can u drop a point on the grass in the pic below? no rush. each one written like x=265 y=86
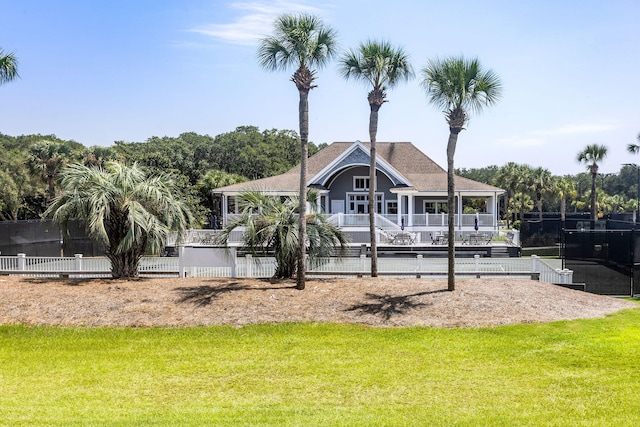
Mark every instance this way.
x=578 y=373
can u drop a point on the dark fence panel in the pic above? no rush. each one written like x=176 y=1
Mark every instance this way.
x=605 y=260
x=44 y=238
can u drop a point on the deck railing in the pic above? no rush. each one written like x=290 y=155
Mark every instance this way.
x=264 y=267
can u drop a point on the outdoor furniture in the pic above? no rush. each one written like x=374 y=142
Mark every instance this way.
x=440 y=238
x=477 y=239
x=404 y=238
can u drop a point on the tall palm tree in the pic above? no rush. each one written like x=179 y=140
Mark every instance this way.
x=382 y=66
x=270 y=224
x=634 y=148
x=8 y=67
x=123 y=208
x=591 y=156
x=458 y=86
x=302 y=41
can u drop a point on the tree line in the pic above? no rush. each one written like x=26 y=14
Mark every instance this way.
x=31 y=164
x=536 y=189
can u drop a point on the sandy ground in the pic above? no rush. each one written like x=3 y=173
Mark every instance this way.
x=380 y=302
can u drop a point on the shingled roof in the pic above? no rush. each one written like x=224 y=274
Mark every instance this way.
x=419 y=170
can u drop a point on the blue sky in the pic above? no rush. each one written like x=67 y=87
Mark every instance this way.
x=107 y=70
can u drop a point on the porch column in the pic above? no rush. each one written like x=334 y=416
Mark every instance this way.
x=410 y=210
x=225 y=205
x=400 y=209
x=492 y=207
x=459 y=216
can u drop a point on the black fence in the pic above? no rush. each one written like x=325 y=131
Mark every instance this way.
x=44 y=238
x=606 y=261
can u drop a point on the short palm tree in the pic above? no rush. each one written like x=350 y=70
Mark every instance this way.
x=301 y=41
x=382 y=66
x=8 y=67
x=270 y=225
x=565 y=189
x=458 y=86
x=591 y=156
x=49 y=157
x=122 y=207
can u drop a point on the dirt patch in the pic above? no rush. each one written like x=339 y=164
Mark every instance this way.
x=381 y=302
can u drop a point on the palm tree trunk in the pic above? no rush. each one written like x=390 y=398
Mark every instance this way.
x=373 y=131
x=451 y=248
x=303 y=118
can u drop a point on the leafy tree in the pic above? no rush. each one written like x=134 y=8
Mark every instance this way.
x=458 y=86
x=591 y=156
x=8 y=67
x=270 y=224
x=21 y=195
x=302 y=41
x=215 y=179
x=122 y=207
x=487 y=174
x=382 y=66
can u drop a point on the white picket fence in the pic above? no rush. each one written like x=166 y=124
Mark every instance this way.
x=264 y=267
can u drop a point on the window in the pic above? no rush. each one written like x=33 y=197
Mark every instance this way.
x=360 y=183
x=435 y=207
x=392 y=207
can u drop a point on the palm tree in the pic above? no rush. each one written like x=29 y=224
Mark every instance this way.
x=8 y=67
x=270 y=224
x=541 y=184
x=302 y=41
x=458 y=86
x=565 y=189
x=49 y=157
x=634 y=148
x=383 y=67
x=507 y=178
x=591 y=156
x=122 y=207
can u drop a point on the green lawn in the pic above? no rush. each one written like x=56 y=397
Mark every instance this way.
x=578 y=373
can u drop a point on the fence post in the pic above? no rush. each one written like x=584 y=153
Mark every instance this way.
x=535 y=267
x=77 y=262
x=363 y=259
x=22 y=262
x=249 y=265
x=476 y=261
x=568 y=274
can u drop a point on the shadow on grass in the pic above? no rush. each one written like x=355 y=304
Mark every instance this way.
x=203 y=295
x=387 y=306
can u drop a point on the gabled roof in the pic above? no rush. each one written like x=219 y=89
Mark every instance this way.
x=406 y=166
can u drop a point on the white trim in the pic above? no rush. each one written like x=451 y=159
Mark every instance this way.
x=379 y=161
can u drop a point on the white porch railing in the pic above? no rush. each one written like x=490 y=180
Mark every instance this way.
x=249 y=267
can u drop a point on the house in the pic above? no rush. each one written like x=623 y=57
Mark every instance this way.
x=411 y=193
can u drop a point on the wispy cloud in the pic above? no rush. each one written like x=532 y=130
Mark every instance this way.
x=256 y=22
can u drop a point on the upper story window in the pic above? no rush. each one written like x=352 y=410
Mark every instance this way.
x=360 y=183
